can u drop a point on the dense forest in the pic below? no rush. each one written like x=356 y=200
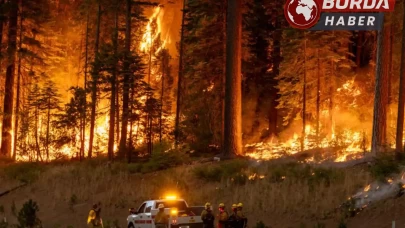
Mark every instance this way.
x=82 y=78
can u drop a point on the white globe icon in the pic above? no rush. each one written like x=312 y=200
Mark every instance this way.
x=302 y=12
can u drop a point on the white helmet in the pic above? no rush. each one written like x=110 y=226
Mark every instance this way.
x=161 y=206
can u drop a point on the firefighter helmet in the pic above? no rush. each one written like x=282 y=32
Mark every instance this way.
x=221 y=205
x=240 y=205
x=207 y=205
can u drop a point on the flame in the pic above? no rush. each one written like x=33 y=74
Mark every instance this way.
x=367 y=188
x=150 y=38
x=352 y=142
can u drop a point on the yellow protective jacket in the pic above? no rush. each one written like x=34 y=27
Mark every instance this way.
x=91 y=219
x=240 y=215
x=222 y=219
x=161 y=218
x=208 y=219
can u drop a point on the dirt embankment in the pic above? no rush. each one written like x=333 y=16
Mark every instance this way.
x=280 y=195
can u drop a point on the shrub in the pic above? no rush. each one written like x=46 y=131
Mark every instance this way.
x=161 y=161
x=260 y=224
x=27 y=217
x=228 y=170
x=342 y=224
x=134 y=168
x=208 y=173
x=73 y=201
x=24 y=172
x=383 y=167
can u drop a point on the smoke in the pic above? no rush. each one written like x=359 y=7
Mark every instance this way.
x=378 y=191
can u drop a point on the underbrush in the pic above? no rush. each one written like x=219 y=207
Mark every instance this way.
x=385 y=166
x=268 y=190
x=24 y=172
x=216 y=172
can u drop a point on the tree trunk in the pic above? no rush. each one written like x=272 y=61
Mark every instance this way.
x=331 y=92
x=6 y=139
x=125 y=93
x=304 y=95
x=48 y=123
x=94 y=85
x=380 y=108
x=359 y=48
x=223 y=79
x=318 y=97
x=131 y=123
x=83 y=127
x=2 y=19
x=148 y=115
x=117 y=114
x=111 y=130
x=17 y=105
x=36 y=135
x=401 y=96
x=179 y=79
x=233 y=81
x=276 y=59
x=161 y=96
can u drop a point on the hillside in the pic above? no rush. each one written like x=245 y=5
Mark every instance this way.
x=281 y=195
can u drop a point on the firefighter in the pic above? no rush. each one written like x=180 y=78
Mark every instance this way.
x=241 y=218
x=207 y=217
x=222 y=216
x=232 y=220
x=92 y=220
x=161 y=219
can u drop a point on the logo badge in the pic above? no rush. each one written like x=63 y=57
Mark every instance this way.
x=302 y=14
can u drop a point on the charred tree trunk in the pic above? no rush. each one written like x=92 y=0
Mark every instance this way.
x=318 y=96
x=17 y=100
x=83 y=118
x=331 y=92
x=111 y=130
x=224 y=13
x=6 y=139
x=2 y=19
x=359 y=48
x=125 y=93
x=380 y=108
x=117 y=110
x=161 y=97
x=148 y=115
x=131 y=123
x=179 y=79
x=48 y=123
x=94 y=84
x=304 y=95
x=233 y=81
x=276 y=57
x=36 y=135
x=401 y=96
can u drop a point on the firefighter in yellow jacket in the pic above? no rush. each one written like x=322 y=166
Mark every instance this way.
x=207 y=217
x=222 y=216
x=161 y=219
x=93 y=220
x=241 y=218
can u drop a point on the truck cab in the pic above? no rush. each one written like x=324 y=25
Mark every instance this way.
x=180 y=215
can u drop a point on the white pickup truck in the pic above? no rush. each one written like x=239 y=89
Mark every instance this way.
x=179 y=213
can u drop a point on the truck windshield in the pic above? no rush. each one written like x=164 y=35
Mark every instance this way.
x=179 y=204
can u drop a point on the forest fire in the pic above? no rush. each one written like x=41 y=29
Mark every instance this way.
x=347 y=144
x=151 y=47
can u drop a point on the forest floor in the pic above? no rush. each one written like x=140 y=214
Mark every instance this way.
x=282 y=194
